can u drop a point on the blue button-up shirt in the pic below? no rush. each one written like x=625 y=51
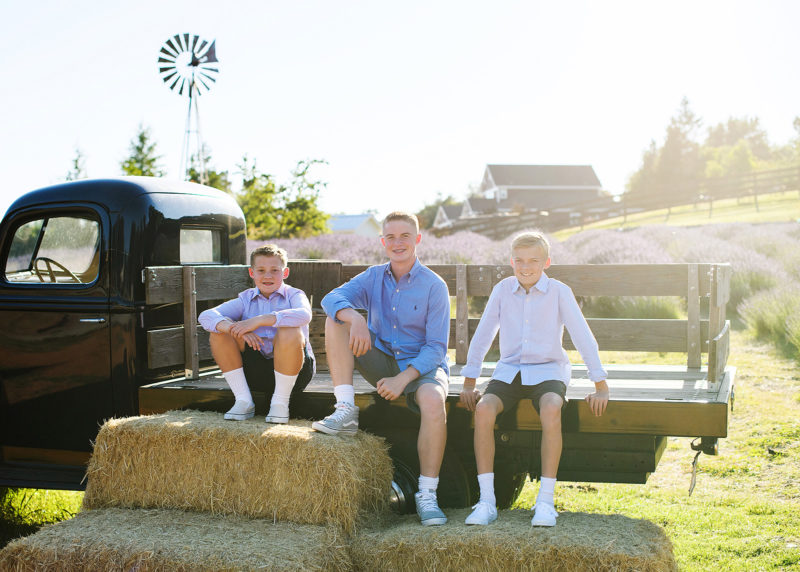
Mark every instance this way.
x=409 y=317
x=290 y=306
x=531 y=328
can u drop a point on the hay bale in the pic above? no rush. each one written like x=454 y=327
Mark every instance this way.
x=197 y=461
x=578 y=542
x=163 y=539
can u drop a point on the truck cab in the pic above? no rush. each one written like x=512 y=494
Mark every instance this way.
x=72 y=348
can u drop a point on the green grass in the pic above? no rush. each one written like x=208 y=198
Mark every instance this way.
x=776 y=207
x=744 y=513
x=24 y=511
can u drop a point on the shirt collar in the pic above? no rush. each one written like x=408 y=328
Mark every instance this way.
x=541 y=285
x=255 y=292
x=415 y=269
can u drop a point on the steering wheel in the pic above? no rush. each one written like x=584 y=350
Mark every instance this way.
x=49 y=262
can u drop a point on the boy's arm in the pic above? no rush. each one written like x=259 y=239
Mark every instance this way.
x=222 y=316
x=352 y=294
x=298 y=314
x=585 y=343
x=437 y=331
x=469 y=395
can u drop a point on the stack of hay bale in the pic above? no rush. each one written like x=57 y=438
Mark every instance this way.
x=186 y=490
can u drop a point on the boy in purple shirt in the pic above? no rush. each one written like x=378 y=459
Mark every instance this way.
x=401 y=348
x=530 y=310
x=262 y=336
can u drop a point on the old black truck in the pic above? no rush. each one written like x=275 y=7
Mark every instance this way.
x=103 y=279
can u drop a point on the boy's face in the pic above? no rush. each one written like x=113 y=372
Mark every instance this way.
x=529 y=262
x=268 y=273
x=400 y=240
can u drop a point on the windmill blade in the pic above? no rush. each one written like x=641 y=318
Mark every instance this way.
x=170 y=76
x=162 y=70
x=183 y=84
x=200 y=48
x=174 y=83
x=163 y=60
x=166 y=52
x=200 y=79
x=172 y=47
x=205 y=75
x=194 y=43
x=205 y=68
x=186 y=42
x=177 y=38
x=211 y=53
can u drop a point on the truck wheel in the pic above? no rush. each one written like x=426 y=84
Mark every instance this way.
x=454 y=489
x=507 y=487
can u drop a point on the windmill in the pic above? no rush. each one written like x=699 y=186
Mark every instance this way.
x=187 y=64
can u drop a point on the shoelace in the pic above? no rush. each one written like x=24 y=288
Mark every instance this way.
x=427 y=501
x=342 y=409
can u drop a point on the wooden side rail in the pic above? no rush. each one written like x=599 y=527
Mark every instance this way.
x=188 y=343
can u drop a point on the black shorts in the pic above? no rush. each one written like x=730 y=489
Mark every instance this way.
x=260 y=372
x=511 y=393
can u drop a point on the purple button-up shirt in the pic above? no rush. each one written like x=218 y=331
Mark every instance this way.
x=290 y=306
x=410 y=317
x=531 y=327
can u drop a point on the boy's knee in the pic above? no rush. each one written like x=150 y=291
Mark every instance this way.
x=430 y=399
x=550 y=409
x=485 y=412
x=289 y=337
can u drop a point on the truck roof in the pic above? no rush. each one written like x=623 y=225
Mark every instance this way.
x=114 y=193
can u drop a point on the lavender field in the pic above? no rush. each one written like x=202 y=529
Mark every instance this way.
x=765 y=296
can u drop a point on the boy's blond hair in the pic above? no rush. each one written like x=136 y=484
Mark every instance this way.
x=533 y=238
x=269 y=250
x=404 y=216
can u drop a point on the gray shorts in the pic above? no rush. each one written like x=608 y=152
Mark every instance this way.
x=375 y=365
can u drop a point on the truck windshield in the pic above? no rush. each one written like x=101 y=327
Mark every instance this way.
x=62 y=249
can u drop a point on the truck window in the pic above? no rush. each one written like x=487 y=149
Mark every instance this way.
x=55 y=250
x=201 y=246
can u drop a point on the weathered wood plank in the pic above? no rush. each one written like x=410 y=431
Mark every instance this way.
x=462 y=314
x=164 y=284
x=191 y=354
x=693 y=346
x=719 y=350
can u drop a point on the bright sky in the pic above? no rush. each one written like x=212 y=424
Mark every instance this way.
x=404 y=100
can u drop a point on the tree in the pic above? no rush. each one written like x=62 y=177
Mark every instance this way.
x=142 y=159
x=78 y=170
x=217 y=179
x=745 y=130
x=281 y=211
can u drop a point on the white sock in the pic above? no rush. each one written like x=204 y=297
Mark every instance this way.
x=428 y=483
x=238 y=384
x=345 y=394
x=283 y=388
x=546 y=487
x=486 y=484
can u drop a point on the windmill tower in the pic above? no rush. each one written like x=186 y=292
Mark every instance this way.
x=187 y=64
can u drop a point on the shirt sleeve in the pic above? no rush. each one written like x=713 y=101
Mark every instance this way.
x=297 y=315
x=484 y=335
x=581 y=334
x=437 y=330
x=352 y=294
x=232 y=310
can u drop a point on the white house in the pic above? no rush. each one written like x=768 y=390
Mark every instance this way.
x=362 y=224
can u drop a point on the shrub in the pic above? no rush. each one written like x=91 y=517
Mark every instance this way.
x=632 y=307
x=772 y=315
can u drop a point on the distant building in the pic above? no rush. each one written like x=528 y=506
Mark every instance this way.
x=528 y=188
x=446 y=215
x=361 y=224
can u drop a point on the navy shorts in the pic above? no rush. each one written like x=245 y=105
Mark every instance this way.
x=511 y=393
x=260 y=372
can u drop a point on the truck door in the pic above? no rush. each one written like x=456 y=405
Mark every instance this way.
x=55 y=385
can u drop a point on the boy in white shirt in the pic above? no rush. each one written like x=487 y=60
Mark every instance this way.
x=530 y=310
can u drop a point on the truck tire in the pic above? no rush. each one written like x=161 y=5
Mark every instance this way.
x=507 y=487
x=454 y=491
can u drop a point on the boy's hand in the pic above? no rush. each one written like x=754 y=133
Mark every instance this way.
x=238 y=329
x=599 y=399
x=360 y=341
x=469 y=395
x=390 y=388
x=252 y=340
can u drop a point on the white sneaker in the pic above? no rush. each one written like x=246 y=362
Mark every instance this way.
x=544 y=515
x=343 y=421
x=278 y=413
x=483 y=513
x=241 y=410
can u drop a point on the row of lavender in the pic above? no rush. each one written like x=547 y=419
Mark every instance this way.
x=765 y=260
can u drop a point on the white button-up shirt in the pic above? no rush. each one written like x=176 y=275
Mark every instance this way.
x=531 y=327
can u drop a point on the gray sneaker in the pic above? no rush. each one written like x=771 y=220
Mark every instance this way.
x=241 y=411
x=343 y=421
x=428 y=509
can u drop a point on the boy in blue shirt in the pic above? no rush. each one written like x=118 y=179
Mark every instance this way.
x=530 y=310
x=262 y=336
x=401 y=348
